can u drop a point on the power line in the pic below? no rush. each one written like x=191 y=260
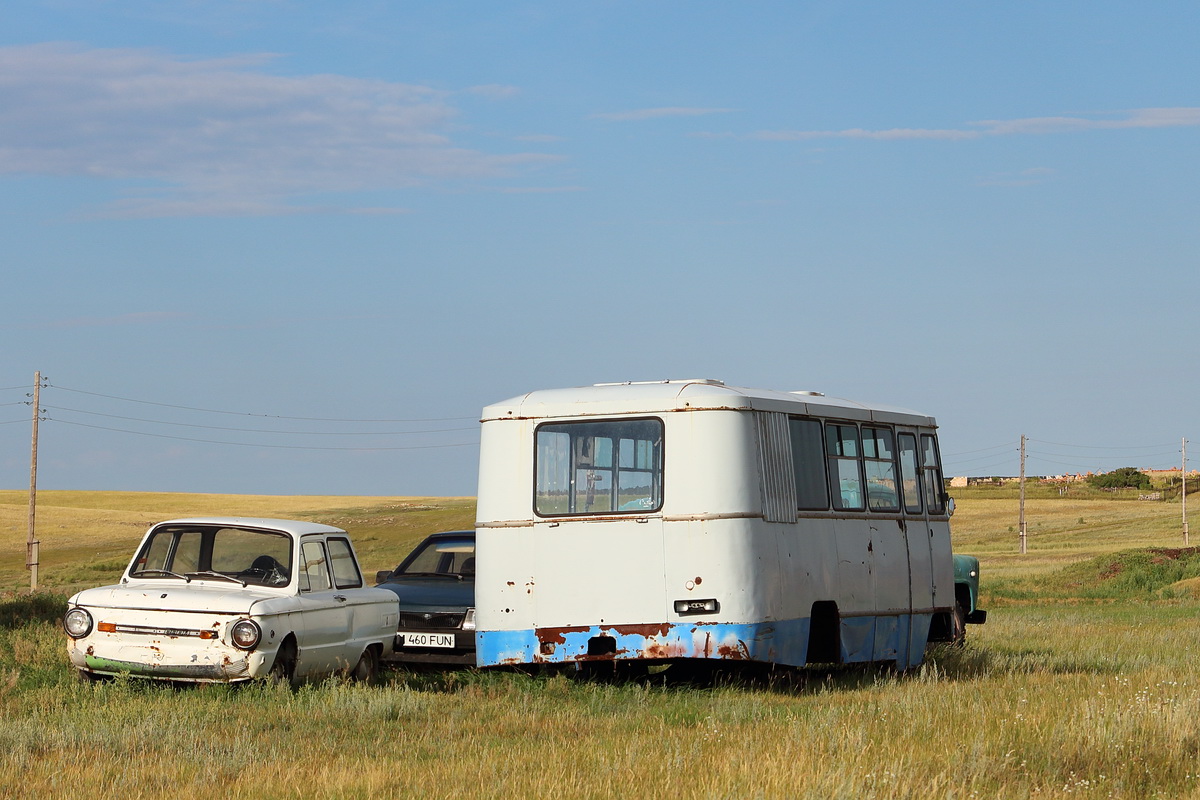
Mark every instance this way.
x=1013 y=445
x=251 y=414
x=1170 y=454
x=250 y=444
x=992 y=457
x=258 y=430
x=1103 y=447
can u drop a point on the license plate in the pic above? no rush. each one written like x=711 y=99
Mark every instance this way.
x=427 y=640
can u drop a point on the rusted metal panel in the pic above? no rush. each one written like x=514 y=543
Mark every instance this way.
x=778 y=642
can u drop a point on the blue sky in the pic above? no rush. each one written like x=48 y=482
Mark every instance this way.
x=261 y=246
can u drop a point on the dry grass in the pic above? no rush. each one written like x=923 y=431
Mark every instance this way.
x=1049 y=699
x=1061 y=531
x=1067 y=702
x=88 y=537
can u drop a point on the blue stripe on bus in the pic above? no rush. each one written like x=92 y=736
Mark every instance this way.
x=882 y=638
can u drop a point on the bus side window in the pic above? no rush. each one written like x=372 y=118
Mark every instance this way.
x=879 y=458
x=845 y=471
x=931 y=467
x=808 y=464
x=909 y=479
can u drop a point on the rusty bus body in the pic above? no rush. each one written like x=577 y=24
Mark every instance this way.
x=652 y=522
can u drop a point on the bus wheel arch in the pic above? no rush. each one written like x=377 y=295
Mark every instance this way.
x=824 y=633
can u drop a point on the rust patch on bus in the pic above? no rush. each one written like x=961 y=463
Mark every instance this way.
x=648 y=631
x=739 y=653
x=556 y=635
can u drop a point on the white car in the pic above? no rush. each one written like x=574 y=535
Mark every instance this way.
x=224 y=599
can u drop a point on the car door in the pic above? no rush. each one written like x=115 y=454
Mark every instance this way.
x=363 y=616
x=323 y=611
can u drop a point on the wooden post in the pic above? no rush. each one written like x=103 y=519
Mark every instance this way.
x=1183 y=496
x=31 y=548
x=1021 y=519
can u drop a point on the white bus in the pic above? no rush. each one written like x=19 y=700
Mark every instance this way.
x=653 y=522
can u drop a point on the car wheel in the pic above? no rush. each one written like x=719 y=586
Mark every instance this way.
x=284 y=668
x=367 y=668
x=958 y=626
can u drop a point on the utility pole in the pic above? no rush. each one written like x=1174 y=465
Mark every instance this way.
x=31 y=547
x=1183 y=496
x=1021 y=521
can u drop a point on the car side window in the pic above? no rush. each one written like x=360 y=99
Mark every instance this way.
x=345 y=570
x=314 y=567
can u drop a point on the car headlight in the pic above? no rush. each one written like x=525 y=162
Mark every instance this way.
x=77 y=623
x=245 y=634
x=469 y=620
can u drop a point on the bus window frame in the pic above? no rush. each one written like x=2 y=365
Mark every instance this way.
x=895 y=507
x=822 y=463
x=837 y=493
x=656 y=472
x=932 y=477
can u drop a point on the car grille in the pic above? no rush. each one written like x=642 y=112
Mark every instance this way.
x=421 y=619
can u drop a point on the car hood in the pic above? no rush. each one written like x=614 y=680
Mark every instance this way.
x=427 y=593
x=199 y=595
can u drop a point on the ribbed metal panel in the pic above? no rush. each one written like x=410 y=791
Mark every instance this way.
x=775 y=457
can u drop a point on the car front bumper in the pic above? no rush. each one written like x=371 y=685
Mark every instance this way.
x=462 y=654
x=218 y=664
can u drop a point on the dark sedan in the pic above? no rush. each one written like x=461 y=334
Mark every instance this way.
x=436 y=587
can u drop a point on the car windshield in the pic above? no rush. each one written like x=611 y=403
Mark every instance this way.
x=245 y=555
x=452 y=557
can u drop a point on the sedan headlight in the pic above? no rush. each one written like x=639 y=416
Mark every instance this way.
x=77 y=623
x=245 y=634
x=469 y=620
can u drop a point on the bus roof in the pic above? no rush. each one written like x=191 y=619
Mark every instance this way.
x=652 y=397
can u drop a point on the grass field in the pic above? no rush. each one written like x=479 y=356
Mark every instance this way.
x=1083 y=683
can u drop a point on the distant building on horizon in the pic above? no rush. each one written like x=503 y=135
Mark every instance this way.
x=1060 y=480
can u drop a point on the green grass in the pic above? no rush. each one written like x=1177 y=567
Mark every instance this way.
x=1083 y=683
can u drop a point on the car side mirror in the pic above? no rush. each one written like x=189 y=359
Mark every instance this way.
x=382 y=575
x=950 y=506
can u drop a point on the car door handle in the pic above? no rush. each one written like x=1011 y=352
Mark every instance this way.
x=341 y=598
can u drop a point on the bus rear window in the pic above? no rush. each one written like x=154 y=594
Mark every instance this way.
x=608 y=467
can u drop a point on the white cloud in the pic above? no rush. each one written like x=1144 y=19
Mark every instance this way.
x=859 y=133
x=222 y=136
x=1137 y=118
x=658 y=113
